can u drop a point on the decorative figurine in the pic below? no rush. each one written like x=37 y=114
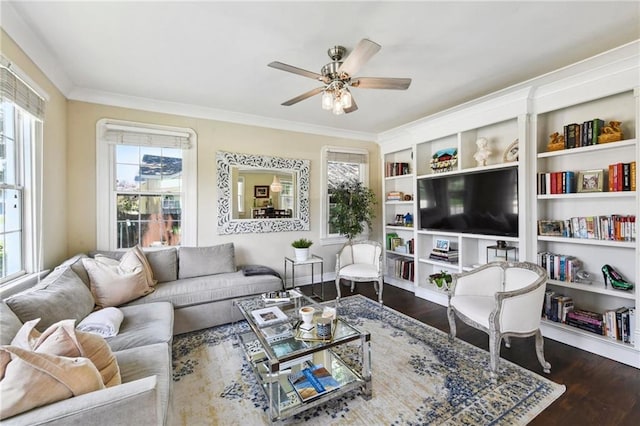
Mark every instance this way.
x=611 y=133
x=483 y=151
x=556 y=142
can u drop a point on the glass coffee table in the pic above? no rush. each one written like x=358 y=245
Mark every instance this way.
x=296 y=369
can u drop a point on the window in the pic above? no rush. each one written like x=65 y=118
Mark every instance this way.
x=339 y=165
x=146 y=185
x=21 y=114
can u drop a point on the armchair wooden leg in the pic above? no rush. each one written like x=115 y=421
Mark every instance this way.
x=452 y=324
x=338 y=295
x=494 y=350
x=546 y=367
x=507 y=341
x=380 y=283
x=353 y=285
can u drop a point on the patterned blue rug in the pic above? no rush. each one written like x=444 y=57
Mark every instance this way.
x=419 y=378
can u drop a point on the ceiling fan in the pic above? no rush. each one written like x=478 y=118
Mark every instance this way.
x=337 y=76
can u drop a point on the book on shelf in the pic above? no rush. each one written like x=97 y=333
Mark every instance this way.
x=396 y=169
x=621 y=177
x=313 y=381
x=404 y=269
x=390 y=236
x=395 y=196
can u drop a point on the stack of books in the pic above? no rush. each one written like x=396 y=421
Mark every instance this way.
x=395 y=196
x=450 y=256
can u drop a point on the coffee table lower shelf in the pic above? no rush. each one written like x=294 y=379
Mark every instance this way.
x=283 y=399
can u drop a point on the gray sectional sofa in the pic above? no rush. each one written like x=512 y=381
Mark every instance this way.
x=195 y=289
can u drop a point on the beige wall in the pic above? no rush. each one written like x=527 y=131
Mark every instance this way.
x=268 y=248
x=55 y=209
x=69 y=189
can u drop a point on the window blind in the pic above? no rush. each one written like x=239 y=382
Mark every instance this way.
x=13 y=89
x=347 y=157
x=146 y=136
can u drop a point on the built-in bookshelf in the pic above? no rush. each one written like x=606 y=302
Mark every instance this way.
x=594 y=217
x=586 y=217
x=398 y=213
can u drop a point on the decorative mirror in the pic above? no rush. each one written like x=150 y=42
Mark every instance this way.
x=257 y=193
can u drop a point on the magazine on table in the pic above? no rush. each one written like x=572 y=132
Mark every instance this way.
x=313 y=381
x=277 y=332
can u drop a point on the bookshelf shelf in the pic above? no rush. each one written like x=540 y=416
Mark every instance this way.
x=399 y=203
x=604 y=339
x=595 y=287
x=589 y=242
x=585 y=195
x=589 y=149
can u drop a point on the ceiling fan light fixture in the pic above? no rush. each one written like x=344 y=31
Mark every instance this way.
x=345 y=98
x=338 y=108
x=327 y=100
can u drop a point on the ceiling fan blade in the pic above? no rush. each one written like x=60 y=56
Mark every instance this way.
x=381 y=83
x=363 y=51
x=353 y=106
x=304 y=96
x=290 y=68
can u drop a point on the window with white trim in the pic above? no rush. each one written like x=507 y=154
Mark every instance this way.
x=339 y=165
x=21 y=115
x=146 y=185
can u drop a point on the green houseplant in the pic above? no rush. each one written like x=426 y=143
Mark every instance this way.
x=351 y=208
x=441 y=279
x=301 y=247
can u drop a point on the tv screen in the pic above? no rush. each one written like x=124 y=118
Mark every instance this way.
x=483 y=202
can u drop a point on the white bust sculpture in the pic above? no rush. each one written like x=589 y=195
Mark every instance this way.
x=483 y=152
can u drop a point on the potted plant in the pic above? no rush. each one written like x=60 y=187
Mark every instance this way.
x=301 y=247
x=441 y=279
x=351 y=208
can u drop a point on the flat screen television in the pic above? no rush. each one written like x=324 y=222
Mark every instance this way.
x=482 y=202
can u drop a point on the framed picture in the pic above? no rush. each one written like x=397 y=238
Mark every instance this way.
x=268 y=316
x=590 y=180
x=261 y=191
x=551 y=228
x=511 y=153
x=442 y=245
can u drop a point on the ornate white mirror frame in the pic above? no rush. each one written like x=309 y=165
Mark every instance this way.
x=228 y=225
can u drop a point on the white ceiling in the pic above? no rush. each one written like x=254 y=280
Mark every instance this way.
x=209 y=59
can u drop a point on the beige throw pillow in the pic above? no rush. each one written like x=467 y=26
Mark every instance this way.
x=63 y=339
x=116 y=282
x=32 y=379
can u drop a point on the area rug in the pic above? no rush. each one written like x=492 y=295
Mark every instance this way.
x=419 y=378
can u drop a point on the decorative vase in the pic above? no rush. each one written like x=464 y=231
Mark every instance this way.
x=302 y=254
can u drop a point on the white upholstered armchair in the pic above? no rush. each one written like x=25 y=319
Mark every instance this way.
x=360 y=261
x=503 y=299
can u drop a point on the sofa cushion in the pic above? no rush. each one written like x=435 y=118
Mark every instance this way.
x=60 y=295
x=147 y=361
x=194 y=291
x=164 y=264
x=63 y=339
x=116 y=282
x=9 y=324
x=199 y=261
x=32 y=379
x=144 y=324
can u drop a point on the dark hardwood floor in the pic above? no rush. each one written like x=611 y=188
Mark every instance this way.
x=599 y=391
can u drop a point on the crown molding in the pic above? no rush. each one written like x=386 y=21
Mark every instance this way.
x=13 y=24
x=195 y=111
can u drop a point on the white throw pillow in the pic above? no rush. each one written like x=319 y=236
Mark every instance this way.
x=116 y=282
